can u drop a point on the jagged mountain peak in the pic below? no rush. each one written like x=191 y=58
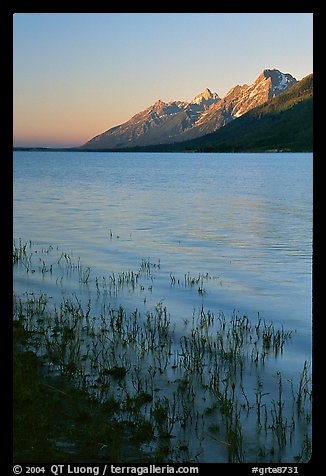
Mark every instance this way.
x=206 y=95
x=269 y=72
x=173 y=121
x=279 y=80
x=159 y=103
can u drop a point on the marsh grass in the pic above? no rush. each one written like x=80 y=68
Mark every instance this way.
x=172 y=390
x=55 y=421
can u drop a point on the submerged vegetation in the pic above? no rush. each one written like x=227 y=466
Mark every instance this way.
x=107 y=381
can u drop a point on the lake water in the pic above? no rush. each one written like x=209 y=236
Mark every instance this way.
x=240 y=222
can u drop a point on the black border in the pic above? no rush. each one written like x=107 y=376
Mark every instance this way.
x=6 y=30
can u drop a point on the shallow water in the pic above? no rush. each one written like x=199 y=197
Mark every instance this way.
x=243 y=222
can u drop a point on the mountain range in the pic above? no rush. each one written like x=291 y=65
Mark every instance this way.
x=283 y=123
x=166 y=124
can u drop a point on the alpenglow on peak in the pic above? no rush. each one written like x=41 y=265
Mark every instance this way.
x=206 y=95
x=279 y=81
x=176 y=121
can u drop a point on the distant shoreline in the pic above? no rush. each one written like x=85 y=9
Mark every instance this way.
x=133 y=150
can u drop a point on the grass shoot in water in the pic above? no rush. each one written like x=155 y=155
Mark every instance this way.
x=174 y=386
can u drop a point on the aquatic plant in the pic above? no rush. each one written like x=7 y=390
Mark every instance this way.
x=193 y=385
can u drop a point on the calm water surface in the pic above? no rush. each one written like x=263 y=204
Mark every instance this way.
x=243 y=220
x=246 y=218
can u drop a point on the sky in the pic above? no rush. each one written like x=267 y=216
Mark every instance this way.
x=76 y=75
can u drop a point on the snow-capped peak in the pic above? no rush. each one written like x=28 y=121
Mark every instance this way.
x=206 y=95
x=279 y=81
